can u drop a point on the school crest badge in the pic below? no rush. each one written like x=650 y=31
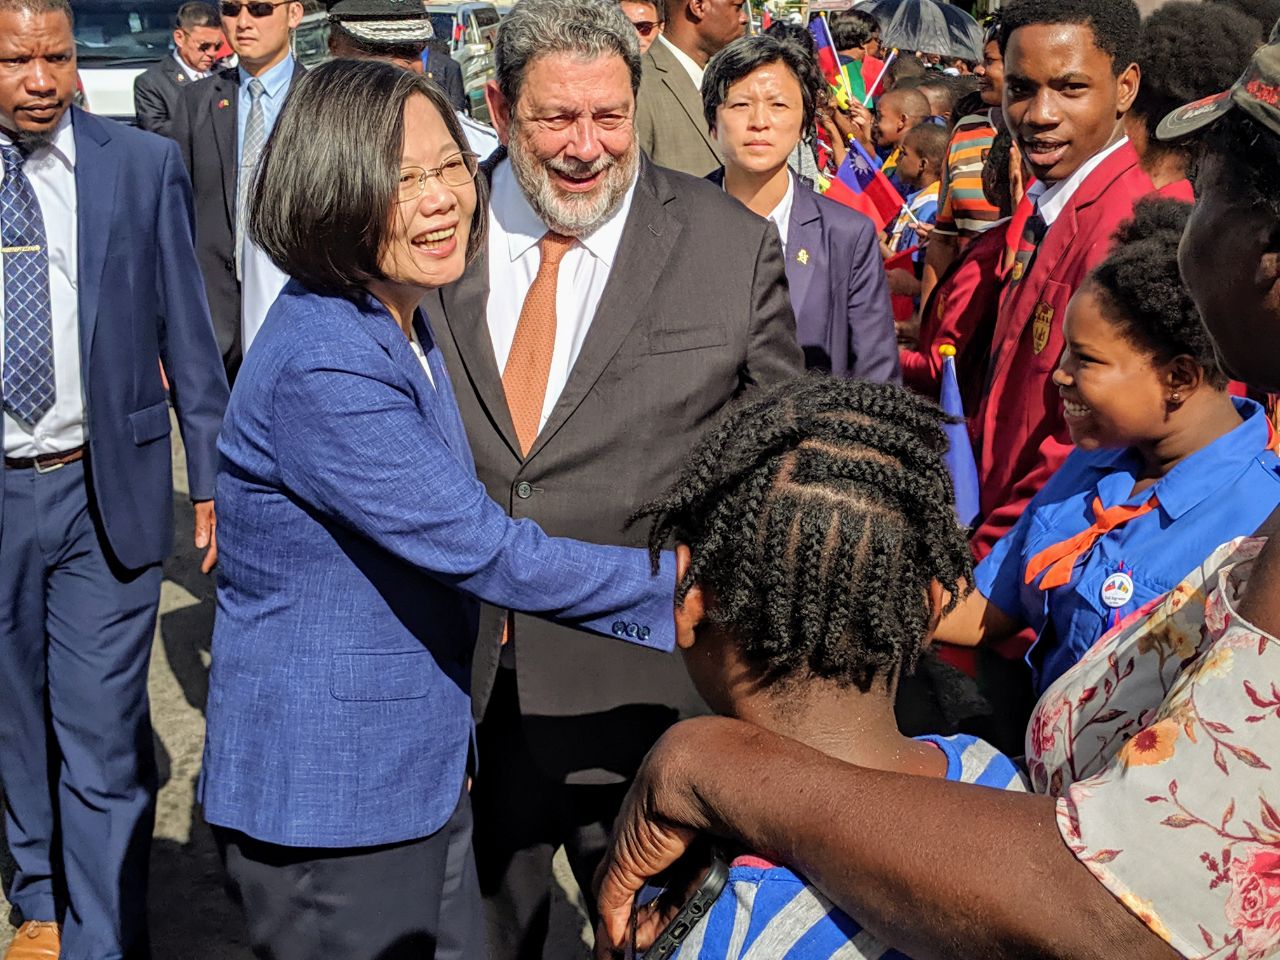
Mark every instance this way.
x=1041 y=321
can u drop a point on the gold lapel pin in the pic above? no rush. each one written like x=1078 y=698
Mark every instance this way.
x=802 y=257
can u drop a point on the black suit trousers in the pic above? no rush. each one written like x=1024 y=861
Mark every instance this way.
x=522 y=816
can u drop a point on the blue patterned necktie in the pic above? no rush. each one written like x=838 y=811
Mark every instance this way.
x=255 y=138
x=28 y=316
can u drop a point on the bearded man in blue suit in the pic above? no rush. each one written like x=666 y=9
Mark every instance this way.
x=100 y=287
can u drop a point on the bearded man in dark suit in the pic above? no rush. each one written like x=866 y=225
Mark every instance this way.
x=618 y=307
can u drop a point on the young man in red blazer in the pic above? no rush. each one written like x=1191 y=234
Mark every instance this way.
x=1070 y=77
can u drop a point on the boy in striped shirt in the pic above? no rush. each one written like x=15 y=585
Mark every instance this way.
x=816 y=545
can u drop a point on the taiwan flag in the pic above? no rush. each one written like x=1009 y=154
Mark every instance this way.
x=860 y=184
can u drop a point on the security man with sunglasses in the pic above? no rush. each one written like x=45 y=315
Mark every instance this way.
x=157 y=92
x=236 y=109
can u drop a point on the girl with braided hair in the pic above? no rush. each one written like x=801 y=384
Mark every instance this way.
x=816 y=546
x=1167 y=464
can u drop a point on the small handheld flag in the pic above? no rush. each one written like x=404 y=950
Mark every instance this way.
x=959 y=458
x=874 y=89
x=861 y=176
x=904 y=307
x=829 y=62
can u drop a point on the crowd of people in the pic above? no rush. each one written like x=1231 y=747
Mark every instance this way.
x=581 y=481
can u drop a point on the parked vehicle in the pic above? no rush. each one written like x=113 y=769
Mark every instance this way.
x=470 y=29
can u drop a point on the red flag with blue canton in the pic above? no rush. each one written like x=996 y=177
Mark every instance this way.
x=860 y=173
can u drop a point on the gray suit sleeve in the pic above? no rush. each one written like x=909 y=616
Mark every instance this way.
x=773 y=353
x=150 y=107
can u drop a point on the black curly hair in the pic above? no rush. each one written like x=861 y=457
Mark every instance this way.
x=1264 y=13
x=1116 y=24
x=1223 y=39
x=818 y=513
x=1139 y=281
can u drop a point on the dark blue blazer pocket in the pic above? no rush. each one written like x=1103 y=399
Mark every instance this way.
x=381 y=676
x=150 y=423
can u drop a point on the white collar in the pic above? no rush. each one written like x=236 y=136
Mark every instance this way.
x=690 y=65
x=191 y=72
x=62 y=147
x=781 y=214
x=1051 y=199
x=524 y=229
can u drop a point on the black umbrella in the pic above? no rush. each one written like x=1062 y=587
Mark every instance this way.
x=927 y=26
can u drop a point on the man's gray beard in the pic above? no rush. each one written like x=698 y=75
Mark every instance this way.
x=570 y=215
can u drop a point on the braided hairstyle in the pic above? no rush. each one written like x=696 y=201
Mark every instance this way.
x=818 y=513
x=1151 y=306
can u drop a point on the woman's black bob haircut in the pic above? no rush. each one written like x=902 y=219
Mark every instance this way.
x=327 y=183
x=745 y=56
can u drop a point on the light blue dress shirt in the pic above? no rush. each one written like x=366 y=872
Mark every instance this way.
x=276 y=81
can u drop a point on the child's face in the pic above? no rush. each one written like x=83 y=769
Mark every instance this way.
x=912 y=168
x=890 y=123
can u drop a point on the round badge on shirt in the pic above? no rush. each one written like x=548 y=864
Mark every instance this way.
x=1117 y=590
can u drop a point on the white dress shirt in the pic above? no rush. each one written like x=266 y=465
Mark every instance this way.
x=781 y=214
x=192 y=74
x=1051 y=199
x=514 y=258
x=690 y=65
x=52 y=173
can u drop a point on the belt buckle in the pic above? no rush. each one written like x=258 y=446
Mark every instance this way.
x=41 y=468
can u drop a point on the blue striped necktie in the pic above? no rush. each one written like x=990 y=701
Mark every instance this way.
x=28 y=379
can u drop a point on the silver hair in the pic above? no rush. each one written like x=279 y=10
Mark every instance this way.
x=587 y=28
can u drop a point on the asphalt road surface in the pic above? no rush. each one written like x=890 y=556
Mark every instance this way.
x=191 y=916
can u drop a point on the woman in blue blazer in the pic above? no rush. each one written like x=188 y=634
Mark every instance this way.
x=758 y=95
x=356 y=543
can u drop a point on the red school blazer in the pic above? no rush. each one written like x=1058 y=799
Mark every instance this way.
x=1022 y=434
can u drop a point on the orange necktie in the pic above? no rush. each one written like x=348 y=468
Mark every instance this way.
x=524 y=380
x=1061 y=558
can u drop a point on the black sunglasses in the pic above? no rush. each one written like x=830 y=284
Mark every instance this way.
x=644 y=27
x=256 y=8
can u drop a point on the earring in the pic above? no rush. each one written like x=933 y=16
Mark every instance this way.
x=1176 y=397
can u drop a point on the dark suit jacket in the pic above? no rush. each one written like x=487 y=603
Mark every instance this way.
x=140 y=299
x=670 y=125
x=157 y=96
x=839 y=292
x=209 y=113
x=694 y=312
x=446 y=73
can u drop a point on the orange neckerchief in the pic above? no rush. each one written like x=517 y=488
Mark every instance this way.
x=1061 y=558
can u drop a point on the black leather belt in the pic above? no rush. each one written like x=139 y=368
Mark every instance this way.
x=45 y=462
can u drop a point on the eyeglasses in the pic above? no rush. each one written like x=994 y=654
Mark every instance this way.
x=457 y=171
x=207 y=46
x=256 y=8
x=645 y=27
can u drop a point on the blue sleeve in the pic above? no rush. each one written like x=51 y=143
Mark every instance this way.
x=188 y=347
x=353 y=444
x=999 y=576
x=873 y=336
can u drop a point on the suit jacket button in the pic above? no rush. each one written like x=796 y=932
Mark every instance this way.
x=633 y=630
x=644 y=633
x=619 y=628
x=524 y=490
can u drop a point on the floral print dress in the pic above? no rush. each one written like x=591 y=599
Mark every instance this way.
x=1163 y=746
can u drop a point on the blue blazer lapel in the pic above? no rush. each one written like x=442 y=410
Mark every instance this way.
x=806 y=251
x=97 y=171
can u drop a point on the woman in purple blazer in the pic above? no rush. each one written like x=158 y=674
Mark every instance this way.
x=356 y=544
x=758 y=94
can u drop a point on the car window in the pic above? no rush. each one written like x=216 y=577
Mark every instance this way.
x=486 y=17
x=108 y=32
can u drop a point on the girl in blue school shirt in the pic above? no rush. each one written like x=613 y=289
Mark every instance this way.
x=1167 y=465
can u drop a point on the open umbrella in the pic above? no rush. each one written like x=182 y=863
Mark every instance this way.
x=927 y=26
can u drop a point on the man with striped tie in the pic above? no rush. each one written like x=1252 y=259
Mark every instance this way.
x=99 y=286
x=237 y=108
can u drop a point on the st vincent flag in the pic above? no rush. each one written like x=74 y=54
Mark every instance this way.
x=860 y=172
x=828 y=59
x=903 y=306
x=861 y=75
x=959 y=458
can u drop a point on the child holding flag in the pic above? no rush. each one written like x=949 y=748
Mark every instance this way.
x=923 y=151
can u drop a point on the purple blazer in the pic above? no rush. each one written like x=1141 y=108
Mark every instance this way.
x=839 y=292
